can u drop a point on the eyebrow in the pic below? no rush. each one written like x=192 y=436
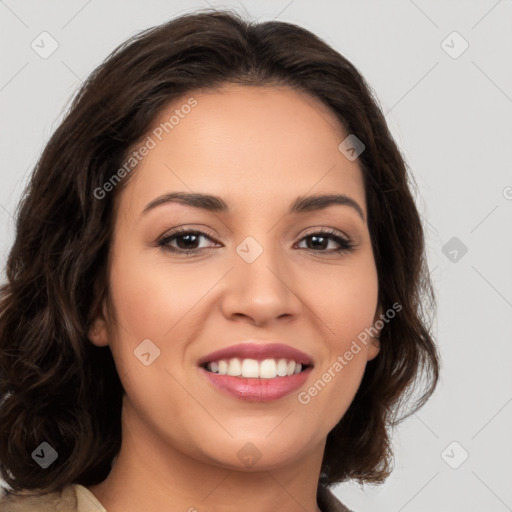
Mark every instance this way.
x=216 y=204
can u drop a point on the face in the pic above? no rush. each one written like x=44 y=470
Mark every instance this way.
x=189 y=278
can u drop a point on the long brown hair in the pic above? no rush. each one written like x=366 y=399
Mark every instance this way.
x=55 y=386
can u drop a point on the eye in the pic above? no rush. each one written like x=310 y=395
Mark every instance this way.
x=186 y=241
x=183 y=241
x=320 y=240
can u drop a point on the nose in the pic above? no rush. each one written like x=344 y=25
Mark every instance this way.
x=261 y=291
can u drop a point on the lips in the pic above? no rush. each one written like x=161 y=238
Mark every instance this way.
x=271 y=384
x=257 y=390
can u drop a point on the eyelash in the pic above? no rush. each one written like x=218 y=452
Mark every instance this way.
x=346 y=245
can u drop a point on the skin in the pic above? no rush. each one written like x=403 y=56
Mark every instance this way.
x=259 y=148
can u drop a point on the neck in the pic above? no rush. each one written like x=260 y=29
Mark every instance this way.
x=151 y=475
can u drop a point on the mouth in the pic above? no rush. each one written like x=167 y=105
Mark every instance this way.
x=257 y=372
x=248 y=368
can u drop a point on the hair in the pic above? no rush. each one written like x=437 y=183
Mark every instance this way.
x=55 y=385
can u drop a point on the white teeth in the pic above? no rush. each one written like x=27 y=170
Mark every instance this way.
x=234 y=367
x=251 y=368
x=223 y=367
x=282 y=368
x=268 y=369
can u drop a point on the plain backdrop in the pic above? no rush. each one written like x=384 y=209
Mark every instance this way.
x=443 y=74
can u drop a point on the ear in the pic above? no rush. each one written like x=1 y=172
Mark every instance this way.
x=374 y=344
x=98 y=330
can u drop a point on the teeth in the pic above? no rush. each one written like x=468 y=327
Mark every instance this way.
x=223 y=367
x=234 y=367
x=251 y=368
x=268 y=369
x=282 y=367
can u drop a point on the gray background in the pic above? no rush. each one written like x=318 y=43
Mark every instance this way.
x=452 y=119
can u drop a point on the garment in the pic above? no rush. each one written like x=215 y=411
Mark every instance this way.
x=72 y=498
x=77 y=498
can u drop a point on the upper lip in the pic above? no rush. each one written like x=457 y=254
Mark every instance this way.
x=258 y=351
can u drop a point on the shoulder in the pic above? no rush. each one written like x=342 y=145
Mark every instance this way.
x=76 y=498
x=328 y=502
x=72 y=498
x=30 y=501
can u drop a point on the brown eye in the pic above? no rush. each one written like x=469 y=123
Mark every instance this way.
x=319 y=241
x=186 y=241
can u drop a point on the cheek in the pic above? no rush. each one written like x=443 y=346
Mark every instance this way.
x=355 y=306
x=147 y=307
x=346 y=300
x=151 y=299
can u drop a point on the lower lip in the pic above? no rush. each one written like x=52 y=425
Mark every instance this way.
x=257 y=390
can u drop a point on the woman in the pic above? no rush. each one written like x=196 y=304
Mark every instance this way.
x=215 y=294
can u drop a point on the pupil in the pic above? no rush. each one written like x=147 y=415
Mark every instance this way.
x=318 y=238
x=181 y=238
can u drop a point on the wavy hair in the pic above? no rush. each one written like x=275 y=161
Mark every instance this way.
x=55 y=385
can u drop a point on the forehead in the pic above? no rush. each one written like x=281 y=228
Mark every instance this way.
x=258 y=145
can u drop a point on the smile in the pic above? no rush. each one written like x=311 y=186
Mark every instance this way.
x=258 y=372
x=252 y=368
